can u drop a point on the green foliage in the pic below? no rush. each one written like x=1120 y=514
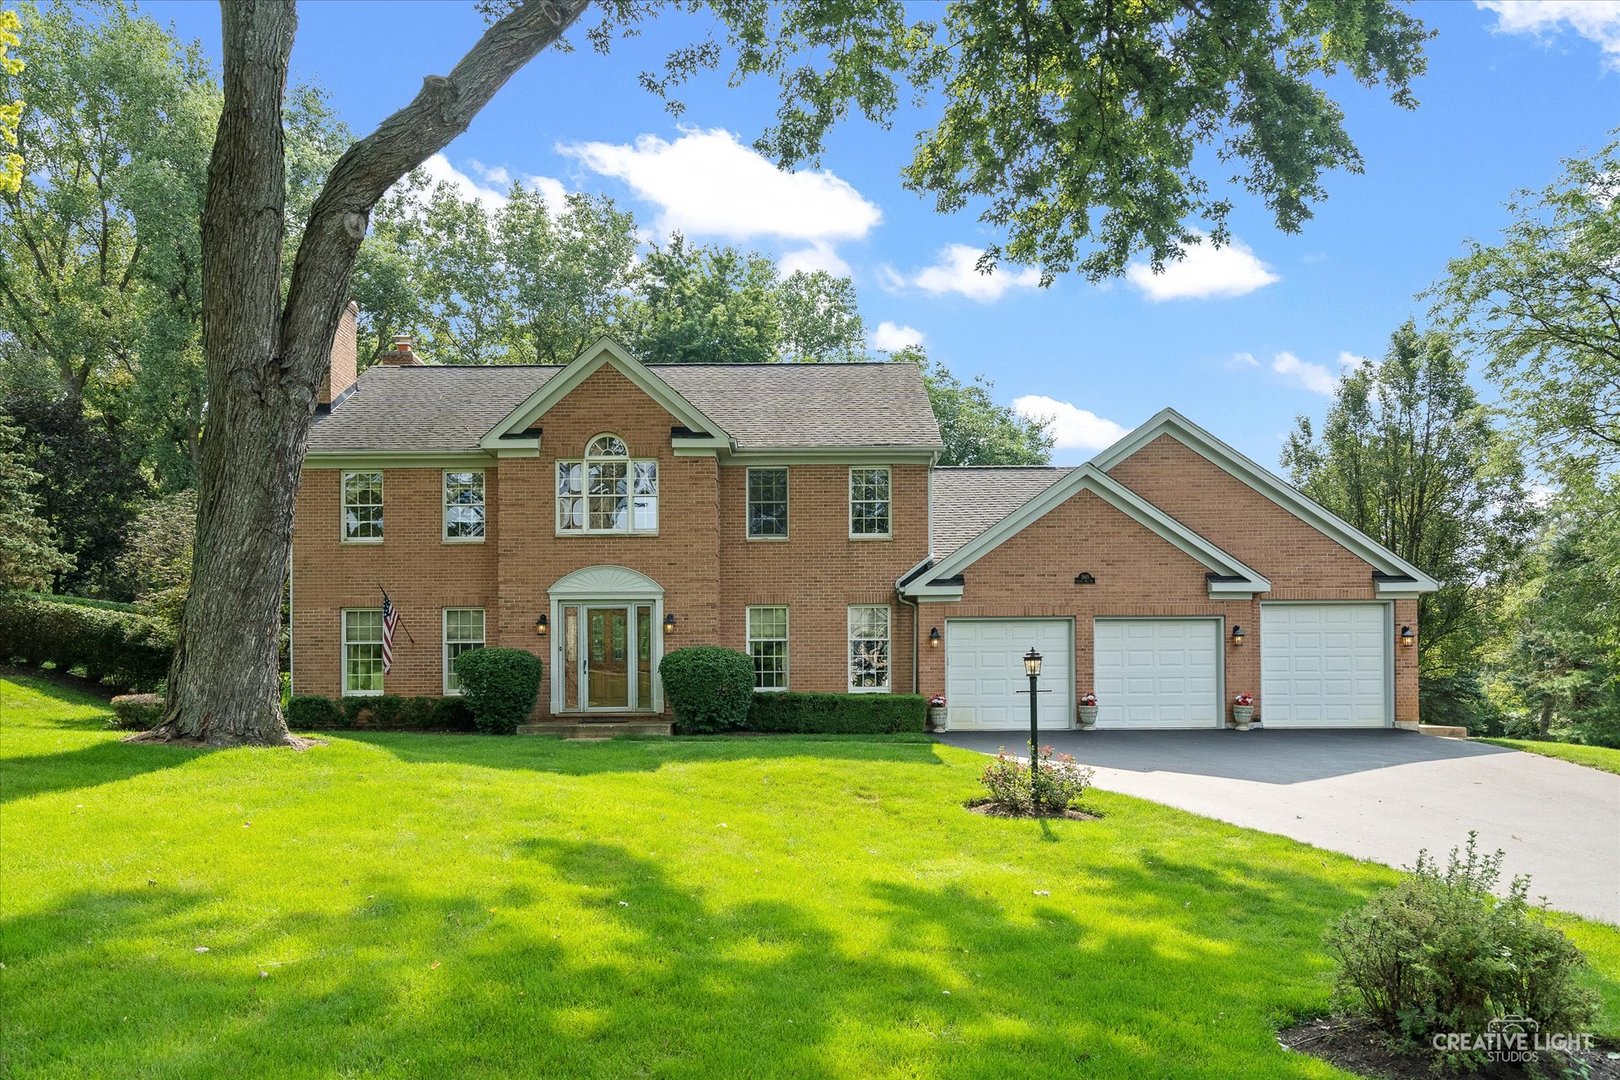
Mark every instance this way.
x=1459 y=699
x=976 y=430
x=1056 y=784
x=121 y=648
x=29 y=558
x=156 y=561
x=500 y=687
x=1439 y=953
x=137 y=712
x=705 y=305
x=310 y=712
x=709 y=688
x=385 y=712
x=11 y=163
x=795 y=713
x=86 y=601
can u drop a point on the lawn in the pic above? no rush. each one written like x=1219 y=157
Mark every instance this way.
x=1596 y=757
x=418 y=905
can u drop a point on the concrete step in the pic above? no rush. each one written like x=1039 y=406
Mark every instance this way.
x=594 y=729
x=1443 y=731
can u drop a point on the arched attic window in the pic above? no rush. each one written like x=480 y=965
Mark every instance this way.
x=607 y=490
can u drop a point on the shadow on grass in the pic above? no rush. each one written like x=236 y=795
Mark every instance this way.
x=88 y=766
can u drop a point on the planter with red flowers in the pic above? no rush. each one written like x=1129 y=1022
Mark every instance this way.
x=1243 y=711
x=938 y=717
x=1088 y=711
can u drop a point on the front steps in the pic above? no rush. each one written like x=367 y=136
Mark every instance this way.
x=598 y=729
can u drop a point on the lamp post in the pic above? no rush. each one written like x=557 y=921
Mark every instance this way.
x=1032 y=668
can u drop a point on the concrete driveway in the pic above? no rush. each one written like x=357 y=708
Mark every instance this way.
x=1379 y=795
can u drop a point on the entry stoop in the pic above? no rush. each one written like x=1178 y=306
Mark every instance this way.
x=598 y=729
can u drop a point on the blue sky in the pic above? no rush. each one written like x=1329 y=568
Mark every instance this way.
x=1241 y=340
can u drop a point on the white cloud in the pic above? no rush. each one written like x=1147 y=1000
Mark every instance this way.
x=813 y=258
x=1072 y=427
x=891 y=338
x=957 y=272
x=1242 y=360
x=1203 y=271
x=491 y=193
x=1313 y=377
x=1597 y=21
x=1349 y=361
x=706 y=183
x=497 y=175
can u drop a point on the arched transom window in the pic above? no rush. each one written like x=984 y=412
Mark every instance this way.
x=607 y=490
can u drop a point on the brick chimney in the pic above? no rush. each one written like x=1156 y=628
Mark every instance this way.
x=401 y=355
x=340 y=367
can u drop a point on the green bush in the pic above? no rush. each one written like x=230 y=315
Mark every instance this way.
x=137 y=712
x=1460 y=700
x=709 y=688
x=387 y=712
x=121 y=648
x=310 y=712
x=500 y=687
x=837 y=714
x=1439 y=953
x=84 y=601
x=1055 y=786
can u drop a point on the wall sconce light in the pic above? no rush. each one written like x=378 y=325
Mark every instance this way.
x=669 y=623
x=1408 y=639
x=542 y=624
x=933 y=638
x=1237 y=635
x=1085 y=578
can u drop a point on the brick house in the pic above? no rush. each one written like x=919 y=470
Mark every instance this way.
x=602 y=512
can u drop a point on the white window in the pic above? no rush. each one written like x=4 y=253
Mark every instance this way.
x=463 y=632
x=767 y=503
x=768 y=646
x=464 y=506
x=869 y=502
x=362 y=652
x=607 y=491
x=362 y=507
x=869 y=648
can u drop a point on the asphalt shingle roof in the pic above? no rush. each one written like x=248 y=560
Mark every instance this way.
x=762 y=406
x=969 y=499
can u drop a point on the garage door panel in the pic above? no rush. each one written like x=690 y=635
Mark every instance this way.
x=985 y=686
x=1157 y=672
x=1324 y=665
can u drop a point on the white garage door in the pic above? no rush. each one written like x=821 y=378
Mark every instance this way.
x=984 y=672
x=1158 y=673
x=1324 y=665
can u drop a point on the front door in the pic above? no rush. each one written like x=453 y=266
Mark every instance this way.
x=608 y=659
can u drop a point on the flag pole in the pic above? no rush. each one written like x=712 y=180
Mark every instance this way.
x=402 y=625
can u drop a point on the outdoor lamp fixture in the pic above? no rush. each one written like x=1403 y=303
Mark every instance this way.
x=669 y=623
x=1408 y=639
x=933 y=638
x=542 y=623
x=1237 y=635
x=1032 y=664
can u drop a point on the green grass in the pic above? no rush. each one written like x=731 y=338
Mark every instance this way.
x=1596 y=757
x=410 y=905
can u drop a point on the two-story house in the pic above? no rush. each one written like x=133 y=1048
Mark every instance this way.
x=603 y=512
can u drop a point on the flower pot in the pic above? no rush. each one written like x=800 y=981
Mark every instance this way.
x=1243 y=716
x=938 y=717
x=1088 y=717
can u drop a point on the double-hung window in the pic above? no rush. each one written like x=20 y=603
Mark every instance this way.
x=362 y=507
x=362 y=651
x=768 y=646
x=607 y=491
x=464 y=506
x=869 y=503
x=767 y=504
x=869 y=648
x=463 y=632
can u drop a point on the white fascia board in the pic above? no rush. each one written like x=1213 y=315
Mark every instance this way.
x=606 y=351
x=1263 y=480
x=833 y=455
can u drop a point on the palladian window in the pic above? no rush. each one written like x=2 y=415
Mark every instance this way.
x=607 y=491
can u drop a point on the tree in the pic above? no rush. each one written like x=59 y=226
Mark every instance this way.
x=1409 y=456
x=705 y=305
x=975 y=429
x=11 y=162
x=157 y=560
x=820 y=319
x=1054 y=116
x=1543 y=307
x=28 y=554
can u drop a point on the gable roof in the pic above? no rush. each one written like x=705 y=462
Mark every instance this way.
x=1393 y=575
x=1227 y=575
x=442 y=408
x=968 y=499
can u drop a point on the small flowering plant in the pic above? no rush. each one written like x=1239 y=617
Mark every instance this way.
x=937 y=701
x=1089 y=700
x=1243 y=700
x=1053 y=786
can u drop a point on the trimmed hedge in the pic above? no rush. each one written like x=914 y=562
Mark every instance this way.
x=837 y=714
x=708 y=688
x=385 y=712
x=500 y=686
x=137 y=712
x=122 y=648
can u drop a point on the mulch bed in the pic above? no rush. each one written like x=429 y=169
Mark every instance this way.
x=1358 y=1046
x=994 y=809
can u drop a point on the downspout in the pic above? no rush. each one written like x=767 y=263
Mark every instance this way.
x=912 y=604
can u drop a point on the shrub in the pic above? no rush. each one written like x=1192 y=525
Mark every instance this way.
x=500 y=687
x=837 y=714
x=137 y=712
x=1439 y=953
x=708 y=687
x=388 y=712
x=1056 y=786
x=309 y=712
x=122 y=648
x=1460 y=700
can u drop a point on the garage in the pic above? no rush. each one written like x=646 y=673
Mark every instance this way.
x=1158 y=673
x=1324 y=665
x=984 y=673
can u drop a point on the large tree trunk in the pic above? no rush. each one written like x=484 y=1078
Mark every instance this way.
x=265 y=358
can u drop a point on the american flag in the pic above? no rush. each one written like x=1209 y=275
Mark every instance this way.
x=390 y=621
